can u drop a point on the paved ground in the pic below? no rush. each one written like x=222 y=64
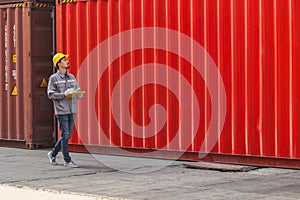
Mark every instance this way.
x=27 y=174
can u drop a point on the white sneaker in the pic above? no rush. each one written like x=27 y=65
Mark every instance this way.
x=51 y=158
x=71 y=164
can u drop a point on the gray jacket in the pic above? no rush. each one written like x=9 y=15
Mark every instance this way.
x=58 y=84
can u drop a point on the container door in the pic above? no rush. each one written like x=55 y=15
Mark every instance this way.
x=41 y=64
x=11 y=72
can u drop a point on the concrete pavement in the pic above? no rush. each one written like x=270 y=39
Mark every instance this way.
x=29 y=175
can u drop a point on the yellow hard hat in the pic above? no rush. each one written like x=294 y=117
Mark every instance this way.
x=57 y=57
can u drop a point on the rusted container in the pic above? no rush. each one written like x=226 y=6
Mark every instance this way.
x=10 y=1
x=25 y=53
x=29 y=1
x=236 y=70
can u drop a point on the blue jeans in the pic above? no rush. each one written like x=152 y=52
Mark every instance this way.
x=66 y=124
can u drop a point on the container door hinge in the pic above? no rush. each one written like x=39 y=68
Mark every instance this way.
x=29 y=13
x=30 y=95
x=29 y=54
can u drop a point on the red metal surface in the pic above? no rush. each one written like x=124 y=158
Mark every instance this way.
x=254 y=43
x=26 y=45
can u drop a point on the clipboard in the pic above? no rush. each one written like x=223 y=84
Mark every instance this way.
x=70 y=96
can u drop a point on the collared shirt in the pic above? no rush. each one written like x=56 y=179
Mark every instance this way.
x=58 y=84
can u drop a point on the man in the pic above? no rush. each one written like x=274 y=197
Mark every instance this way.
x=64 y=90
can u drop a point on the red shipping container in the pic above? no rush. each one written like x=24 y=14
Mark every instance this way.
x=186 y=78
